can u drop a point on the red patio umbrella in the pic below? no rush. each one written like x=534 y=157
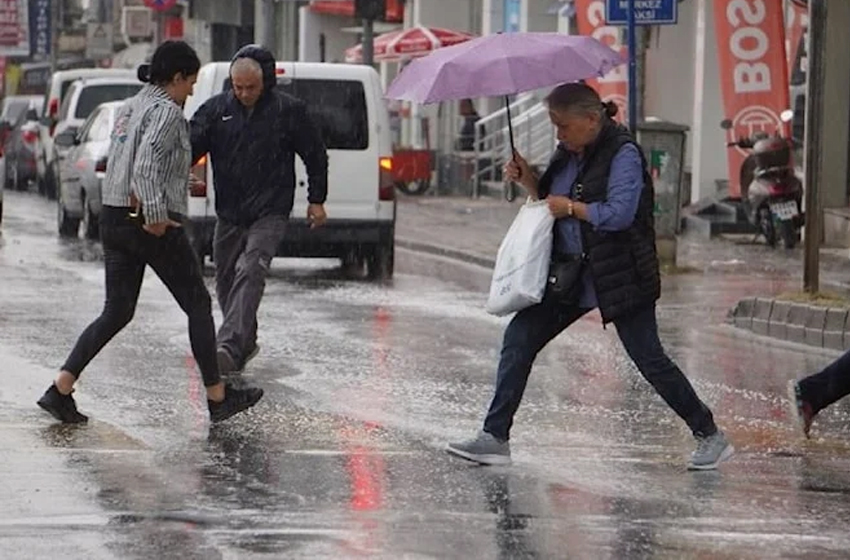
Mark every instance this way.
x=413 y=42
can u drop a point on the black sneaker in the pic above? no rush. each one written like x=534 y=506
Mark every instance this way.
x=236 y=400
x=62 y=407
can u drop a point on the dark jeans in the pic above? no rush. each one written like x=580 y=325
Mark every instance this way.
x=532 y=328
x=243 y=256
x=127 y=249
x=830 y=385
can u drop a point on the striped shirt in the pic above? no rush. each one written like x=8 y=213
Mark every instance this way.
x=149 y=156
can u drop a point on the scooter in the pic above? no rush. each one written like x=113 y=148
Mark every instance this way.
x=771 y=190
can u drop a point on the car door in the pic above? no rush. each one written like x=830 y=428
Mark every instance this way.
x=74 y=164
x=91 y=162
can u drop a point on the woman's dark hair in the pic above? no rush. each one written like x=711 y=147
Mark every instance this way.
x=579 y=98
x=169 y=59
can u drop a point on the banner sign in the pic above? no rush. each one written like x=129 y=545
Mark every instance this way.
x=614 y=86
x=753 y=71
x=796 y=27
x=40 y=36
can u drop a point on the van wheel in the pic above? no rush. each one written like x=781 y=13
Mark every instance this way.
x=352 y=265
x=381 y=261
x=68 y=227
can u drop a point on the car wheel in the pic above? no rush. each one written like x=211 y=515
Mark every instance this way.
x=91 y=226
x=380 y=262
x=50 y=183
x=68 y=227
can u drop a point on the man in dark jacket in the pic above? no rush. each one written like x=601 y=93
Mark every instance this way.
x=252 y=134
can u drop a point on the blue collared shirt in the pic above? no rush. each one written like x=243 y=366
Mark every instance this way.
x=615 y=213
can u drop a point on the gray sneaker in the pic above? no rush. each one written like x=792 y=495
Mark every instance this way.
x=710 y=452
x=483 y=449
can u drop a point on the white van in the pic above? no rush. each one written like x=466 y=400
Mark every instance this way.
x=346 y=102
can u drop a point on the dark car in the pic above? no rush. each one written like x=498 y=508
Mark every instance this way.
x=20 y=139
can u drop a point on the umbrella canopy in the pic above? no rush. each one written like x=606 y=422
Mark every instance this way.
x=413 y=42
x=502 y=64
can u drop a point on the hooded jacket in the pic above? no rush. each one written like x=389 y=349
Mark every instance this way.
x=253 y=152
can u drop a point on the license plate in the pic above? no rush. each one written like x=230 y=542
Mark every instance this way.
x=784 y=210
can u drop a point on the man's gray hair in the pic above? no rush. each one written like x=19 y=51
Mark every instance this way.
x=246 y=64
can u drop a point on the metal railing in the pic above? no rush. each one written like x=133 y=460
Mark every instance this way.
x=534 y=138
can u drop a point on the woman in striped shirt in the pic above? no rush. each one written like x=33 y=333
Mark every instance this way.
x=144 y=203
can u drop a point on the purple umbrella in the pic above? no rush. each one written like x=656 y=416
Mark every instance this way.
x=502 y=64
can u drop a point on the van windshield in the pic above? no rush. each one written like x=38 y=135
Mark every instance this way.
x=337 y=106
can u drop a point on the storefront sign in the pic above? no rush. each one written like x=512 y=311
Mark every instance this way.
x=14 y=28
x=753 y=71
x=614 y=85
x=394 y=13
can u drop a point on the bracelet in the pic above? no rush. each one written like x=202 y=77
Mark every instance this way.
x=569 y=207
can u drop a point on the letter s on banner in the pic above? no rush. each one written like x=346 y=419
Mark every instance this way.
x=753 y=71
x=614 y=86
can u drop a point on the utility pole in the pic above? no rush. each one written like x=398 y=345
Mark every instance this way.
x=632 y=41
x=368 y=11
x=813 y=159
x=368 y=41
x=264 y=23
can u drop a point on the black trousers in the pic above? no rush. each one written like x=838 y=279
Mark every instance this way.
x=127 y=250
x=827 y=386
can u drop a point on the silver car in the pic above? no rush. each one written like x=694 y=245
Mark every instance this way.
x=83 y=170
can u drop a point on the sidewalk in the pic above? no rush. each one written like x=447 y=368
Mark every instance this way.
x=470 y=230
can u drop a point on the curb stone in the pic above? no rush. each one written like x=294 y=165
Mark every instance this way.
x=812 y=325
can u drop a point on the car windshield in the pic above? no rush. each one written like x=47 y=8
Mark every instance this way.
x=14 y=110
x=94 y=95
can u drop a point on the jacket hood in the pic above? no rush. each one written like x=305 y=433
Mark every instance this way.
x=266 y=60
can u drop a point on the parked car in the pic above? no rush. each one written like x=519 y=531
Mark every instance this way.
x=347 y=104
x=80 y=102
x=83 y=170
x=20 y=139
x=57 y=89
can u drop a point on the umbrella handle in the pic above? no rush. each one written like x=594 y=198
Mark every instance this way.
x=511 y=131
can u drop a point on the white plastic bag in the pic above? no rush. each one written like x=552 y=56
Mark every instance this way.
x=522 y=264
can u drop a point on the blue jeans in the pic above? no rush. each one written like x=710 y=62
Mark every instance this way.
x=830 y=385
x=532 y=328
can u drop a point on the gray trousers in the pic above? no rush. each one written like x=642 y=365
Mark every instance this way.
x=242 y=257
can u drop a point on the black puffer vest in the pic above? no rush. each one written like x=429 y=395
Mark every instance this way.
x=624 y=264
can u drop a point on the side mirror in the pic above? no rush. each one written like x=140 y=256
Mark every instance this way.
x=787 y=115
x=32 y=115
x=67 y=139
x=726 y=124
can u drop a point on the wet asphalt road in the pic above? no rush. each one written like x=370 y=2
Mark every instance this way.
x=364 y=383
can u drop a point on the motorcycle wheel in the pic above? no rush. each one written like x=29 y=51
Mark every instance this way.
x=767 y=227
x=788 y=233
